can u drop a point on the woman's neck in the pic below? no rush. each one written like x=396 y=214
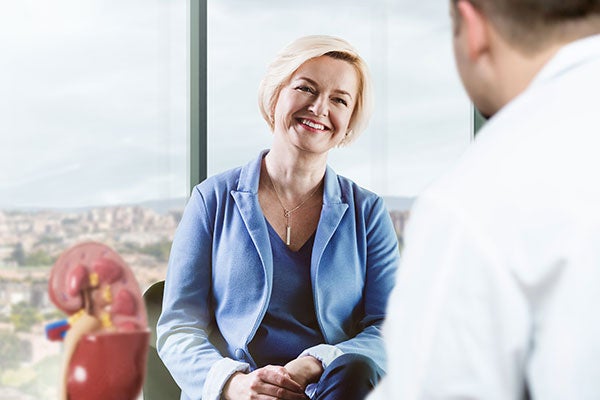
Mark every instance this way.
x=294 y=174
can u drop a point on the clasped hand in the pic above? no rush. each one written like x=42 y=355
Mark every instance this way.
x=275 y=382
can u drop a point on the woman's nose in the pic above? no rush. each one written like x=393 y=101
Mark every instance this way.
x=319 y=107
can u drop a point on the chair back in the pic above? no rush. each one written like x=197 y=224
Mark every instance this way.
x=159 y=384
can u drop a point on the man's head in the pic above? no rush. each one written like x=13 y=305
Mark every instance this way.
x=501 y=44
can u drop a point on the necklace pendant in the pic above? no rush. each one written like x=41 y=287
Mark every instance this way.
x=288 y=235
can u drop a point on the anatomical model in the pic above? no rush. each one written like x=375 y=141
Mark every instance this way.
x=106 y=334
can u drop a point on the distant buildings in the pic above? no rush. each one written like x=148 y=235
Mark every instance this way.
x=30 y=242
x=54 y=231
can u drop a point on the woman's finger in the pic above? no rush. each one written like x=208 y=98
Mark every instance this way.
x=273 y=383
x=279 y=376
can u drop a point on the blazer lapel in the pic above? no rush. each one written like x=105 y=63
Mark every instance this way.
x=246 y=200
x=333 y=210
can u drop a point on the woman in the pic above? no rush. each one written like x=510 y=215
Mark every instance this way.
x=280 y=270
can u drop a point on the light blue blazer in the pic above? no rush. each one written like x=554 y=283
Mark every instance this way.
x=220 y=272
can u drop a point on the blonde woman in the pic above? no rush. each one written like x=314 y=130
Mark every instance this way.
x=280 y=270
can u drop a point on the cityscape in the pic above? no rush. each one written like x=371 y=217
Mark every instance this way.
x=30 y=243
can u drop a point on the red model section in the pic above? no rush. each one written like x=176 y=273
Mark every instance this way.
x=107 y=334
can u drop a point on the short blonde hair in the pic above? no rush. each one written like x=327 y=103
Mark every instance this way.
x=291 y=57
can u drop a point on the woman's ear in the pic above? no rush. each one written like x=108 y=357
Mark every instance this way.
x=475 y=28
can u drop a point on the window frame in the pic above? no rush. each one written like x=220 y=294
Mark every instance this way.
x=198 y=135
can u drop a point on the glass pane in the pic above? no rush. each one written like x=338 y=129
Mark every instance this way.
x=93 y=147
x=421 y=122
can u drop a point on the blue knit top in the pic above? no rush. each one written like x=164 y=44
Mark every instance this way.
x=290 y=323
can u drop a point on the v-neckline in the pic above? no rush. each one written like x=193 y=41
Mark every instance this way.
x=273 y=232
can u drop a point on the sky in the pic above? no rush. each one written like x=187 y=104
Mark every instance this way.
x=94 y=102
x=94 y=108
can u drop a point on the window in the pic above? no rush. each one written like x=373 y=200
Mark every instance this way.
x=422 y=118
x=421 y=122
x=94 y=147
x=95 y=121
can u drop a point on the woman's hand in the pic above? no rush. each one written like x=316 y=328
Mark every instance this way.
x=305 y=370
x=270 y=382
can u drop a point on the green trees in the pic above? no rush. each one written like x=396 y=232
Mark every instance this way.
x=10 y=350
x=23 y=317
x=39 y=258
x=33 y=259
x=159 y=250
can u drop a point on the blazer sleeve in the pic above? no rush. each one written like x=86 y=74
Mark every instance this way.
x=382 y=260
x=187 y=318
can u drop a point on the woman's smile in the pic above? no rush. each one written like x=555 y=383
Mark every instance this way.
x=312 y=125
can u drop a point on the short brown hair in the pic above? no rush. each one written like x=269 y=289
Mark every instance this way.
x=531 y=24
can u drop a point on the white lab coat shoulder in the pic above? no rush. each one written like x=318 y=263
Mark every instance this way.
x=499 y=277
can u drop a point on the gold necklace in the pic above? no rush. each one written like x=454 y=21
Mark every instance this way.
x=288 y=213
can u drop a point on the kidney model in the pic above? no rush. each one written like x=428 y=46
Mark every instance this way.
x=106 y=332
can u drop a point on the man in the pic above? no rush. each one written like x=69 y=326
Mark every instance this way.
x=499 y=288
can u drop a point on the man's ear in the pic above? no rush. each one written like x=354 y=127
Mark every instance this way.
x=475 y=26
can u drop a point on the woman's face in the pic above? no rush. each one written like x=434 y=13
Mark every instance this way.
x=313 y=109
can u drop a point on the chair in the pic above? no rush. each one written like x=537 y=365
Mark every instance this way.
x=159 y=384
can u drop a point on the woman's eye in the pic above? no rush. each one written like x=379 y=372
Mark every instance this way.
x=306 y=89
x=340 y=101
